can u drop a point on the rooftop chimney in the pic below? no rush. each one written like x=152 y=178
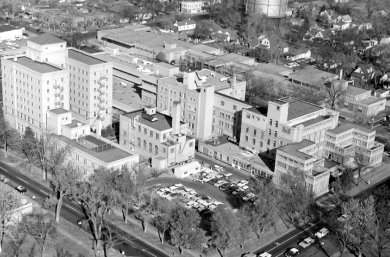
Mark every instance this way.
x=150 y=110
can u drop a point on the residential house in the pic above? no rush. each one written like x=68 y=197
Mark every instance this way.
x=363 y=73
x=185 y=25
x=191 y=7
x=382 y=93
x=298 y=54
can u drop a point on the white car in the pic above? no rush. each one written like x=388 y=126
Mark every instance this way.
x=291 y=252
x=306 y=242
x=322 y=232
x=265 y=254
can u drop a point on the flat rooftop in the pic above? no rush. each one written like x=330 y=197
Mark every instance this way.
x=371 y=100
x=7 y=27
x=355 y=91
x=74 y=124
x=298 y=108
x=312 y=76
x=96 y=148
x=273 y=68
x=294 y=149
x=58 y=111
x=310 y=122
x=83 y=58
x=349 y=126
x=39 y=67
x=125 y=98
x=46 y=39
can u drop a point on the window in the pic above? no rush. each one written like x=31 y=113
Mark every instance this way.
x=157 y=136
x=274 y=144
x=222 y=103
x=261 y=143
x=276 y=124
x=277 y=108
x=254 y=132
x=234 y=107
x=247 y=130
x=246 y=138
x=262 y=134
x=191 y=144
x=268 y=141
x=145 y=131
x=150 y=147
x=270 y=122
x=172 y=150
x=144 y=144
x=151 y=133
x=275 y=134
x=156 y=149
x=281 y=142
x=269 y=131
x=254 y=141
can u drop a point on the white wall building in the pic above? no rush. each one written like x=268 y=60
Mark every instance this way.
x=191 y=7
x=9 y=32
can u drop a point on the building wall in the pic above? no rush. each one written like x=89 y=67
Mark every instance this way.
x=27 y=95
x=150 y=142
x=191 y=7
x=90 y=99
x=227 y=114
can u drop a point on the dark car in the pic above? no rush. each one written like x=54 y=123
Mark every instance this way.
x=291 y=252
x=21 y=189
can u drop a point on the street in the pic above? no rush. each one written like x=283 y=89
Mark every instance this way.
x=279 y=247
x=72 y=212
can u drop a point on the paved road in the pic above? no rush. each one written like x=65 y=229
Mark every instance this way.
x=72 y=212
x=278 y=247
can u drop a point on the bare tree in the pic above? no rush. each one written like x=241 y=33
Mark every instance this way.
x=41 y=227
x=63 y=182
x=336 y=92
x=124 y=183
x=97 y=197
x=8 y=203
x=361 y=165
x=9 y=135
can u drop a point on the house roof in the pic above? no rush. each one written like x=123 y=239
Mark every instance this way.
x=83 y=58
x=294 y=149
x=39 y=67
x=46 y=39
x=188 y=22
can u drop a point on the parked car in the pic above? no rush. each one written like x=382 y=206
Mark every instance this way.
x=4 y=179
x=291 y=252
x=265 y=254
x=306 y=242
x=322 y=232
x=21 y=189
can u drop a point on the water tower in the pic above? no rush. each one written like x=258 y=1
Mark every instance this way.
x=273 y=9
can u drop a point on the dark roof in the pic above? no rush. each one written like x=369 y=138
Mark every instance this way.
x=6 y=27
x=313 y=121
x=83 y=58
x=298 y=108
x=46 y=39
x=349 y=126
x=74 y=124
x=156 y=121
x=295 y=149
x=234 y=99
x=59 y=111
x=36 y=66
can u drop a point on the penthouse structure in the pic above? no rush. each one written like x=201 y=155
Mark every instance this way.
x=287 y=120
x=158 y=136
x=346 y=143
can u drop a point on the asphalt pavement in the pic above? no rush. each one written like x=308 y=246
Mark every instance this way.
x=73 y=213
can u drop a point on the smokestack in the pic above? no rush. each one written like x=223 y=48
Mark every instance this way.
x=176 y=118
x=341 y=74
